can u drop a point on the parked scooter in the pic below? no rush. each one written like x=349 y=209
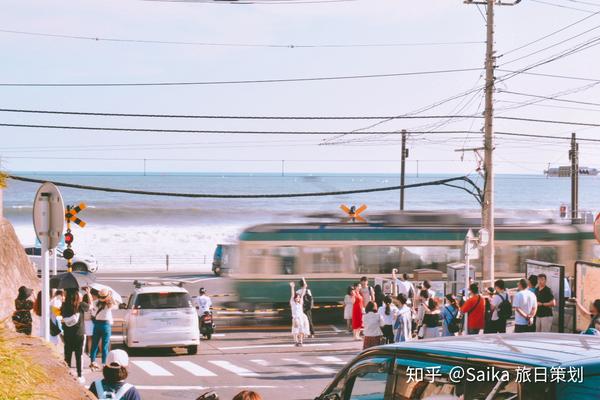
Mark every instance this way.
x=207 y=326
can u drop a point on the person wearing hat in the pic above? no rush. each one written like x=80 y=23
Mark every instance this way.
x=113 y=385
x=22 y=316
x=103 y=320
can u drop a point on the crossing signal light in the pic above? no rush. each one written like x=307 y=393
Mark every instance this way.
x=68 y=254
x=68 y=238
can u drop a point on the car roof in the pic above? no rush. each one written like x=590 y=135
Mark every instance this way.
x=160 y=289
x=542 y=349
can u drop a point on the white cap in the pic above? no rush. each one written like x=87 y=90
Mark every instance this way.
x=117 y=359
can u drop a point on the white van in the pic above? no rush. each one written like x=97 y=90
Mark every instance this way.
x=161 y=315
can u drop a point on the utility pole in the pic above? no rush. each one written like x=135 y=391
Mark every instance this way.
x=403 y=168
x=574 y=157
x=282 y=167
x=487 y=210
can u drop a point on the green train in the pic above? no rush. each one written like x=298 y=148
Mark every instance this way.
x=334 y=255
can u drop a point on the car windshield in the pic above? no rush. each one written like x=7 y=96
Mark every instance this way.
x=162 y=300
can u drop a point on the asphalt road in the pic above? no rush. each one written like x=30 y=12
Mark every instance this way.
x=265 y=362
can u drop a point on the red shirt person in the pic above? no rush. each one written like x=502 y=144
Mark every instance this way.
x=474 y=308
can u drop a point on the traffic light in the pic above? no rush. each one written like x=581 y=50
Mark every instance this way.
x=68 y=238
x=68 y=254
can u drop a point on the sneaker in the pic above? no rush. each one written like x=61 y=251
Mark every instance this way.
x=81 y=380
x=297 y=344
x=94 y=367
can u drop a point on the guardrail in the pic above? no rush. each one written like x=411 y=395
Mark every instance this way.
x=157 y=261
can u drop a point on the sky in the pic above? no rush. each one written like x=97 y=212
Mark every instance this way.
x=41 y=59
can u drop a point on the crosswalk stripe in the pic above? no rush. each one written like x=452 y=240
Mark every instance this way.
x=234 y=368
x=151 y=368
x=193 y=369
x=332 y=360
x=322 y=370
x=283 y=371
x=263 y=363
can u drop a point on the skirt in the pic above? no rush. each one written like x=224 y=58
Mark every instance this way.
x=300 y=325
x=89 y=328
x=371 y=341
x=348 y=312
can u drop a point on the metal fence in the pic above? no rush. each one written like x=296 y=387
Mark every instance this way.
x=157 y=260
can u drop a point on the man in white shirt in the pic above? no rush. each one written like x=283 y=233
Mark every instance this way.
x=403 y=286
x=203 y=303
x=498 y=321
x=525 y=306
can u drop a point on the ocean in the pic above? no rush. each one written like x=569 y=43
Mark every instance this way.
x=124 y=227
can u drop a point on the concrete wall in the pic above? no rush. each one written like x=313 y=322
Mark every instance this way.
x=15 y=270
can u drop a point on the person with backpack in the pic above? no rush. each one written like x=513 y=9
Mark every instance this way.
x=308 y=304
x=21 y=318
x=474 y=309
x=449 y=315
x=72 y=311
x=113 y=385
x=388 y=314
x=501 y=308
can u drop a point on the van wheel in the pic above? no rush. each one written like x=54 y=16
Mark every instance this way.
x=192 y=350
x=79 y=266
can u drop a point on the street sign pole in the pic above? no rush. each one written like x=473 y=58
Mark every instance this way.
x=54 y=263
x=468 y=248
x=48 y=222
x=44 y=229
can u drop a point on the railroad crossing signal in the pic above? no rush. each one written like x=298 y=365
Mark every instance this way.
x=70 y=214
x=354 y=213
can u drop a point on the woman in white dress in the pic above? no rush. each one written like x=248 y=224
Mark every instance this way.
x=348 y=304
x=300 y=327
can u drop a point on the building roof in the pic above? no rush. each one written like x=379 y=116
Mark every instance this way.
x=541 y=349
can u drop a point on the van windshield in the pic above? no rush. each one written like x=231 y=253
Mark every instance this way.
x=162 y=300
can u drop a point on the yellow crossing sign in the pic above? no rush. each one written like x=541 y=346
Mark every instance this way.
x=71 y=214
x=354 y=213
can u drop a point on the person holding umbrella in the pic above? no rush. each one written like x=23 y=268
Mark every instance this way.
x=103 y=320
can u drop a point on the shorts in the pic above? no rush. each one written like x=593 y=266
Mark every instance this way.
x=89 y=328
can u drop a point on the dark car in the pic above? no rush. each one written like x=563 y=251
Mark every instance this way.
x=528 y=366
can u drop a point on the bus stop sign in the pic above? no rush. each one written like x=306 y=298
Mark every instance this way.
x=48 y=214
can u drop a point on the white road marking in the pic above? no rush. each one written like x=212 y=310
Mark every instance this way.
x=322 y=370
x=265 y=346
x=283 y=371
x=218 y=334
x=193 y=369
x=335 y=329
x=151 y=368
x=332 y=360
x=234 y=368
x=263 y=363
x=150 y=387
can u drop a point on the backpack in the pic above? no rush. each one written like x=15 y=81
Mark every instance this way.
x=504 y=308
x=453 y=325
x=109 y=393
x=308 y=302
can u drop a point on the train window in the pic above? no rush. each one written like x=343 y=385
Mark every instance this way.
x=322 y=259
x=540 y=253
x=382 y=259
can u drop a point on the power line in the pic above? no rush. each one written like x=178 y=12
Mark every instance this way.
x=236 y=82
x=577 y=78
x=551 y=98
x=409 y=117
x=549 y=35
x=249 y=132
x=234 y=44
x=476 y=193
x=561 y=6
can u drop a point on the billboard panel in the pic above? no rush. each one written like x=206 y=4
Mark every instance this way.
x=587 y=288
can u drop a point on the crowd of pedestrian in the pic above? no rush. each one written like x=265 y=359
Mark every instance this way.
x=411 y=313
